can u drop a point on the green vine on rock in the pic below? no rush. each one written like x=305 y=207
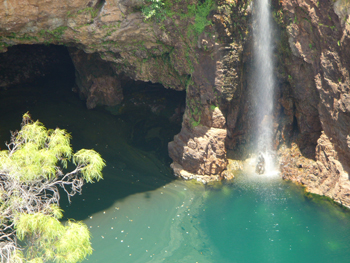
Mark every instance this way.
x=195 y=123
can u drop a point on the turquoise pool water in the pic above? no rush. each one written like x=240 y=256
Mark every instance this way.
x=269 y=220
x=141 y=213
x=246 y=221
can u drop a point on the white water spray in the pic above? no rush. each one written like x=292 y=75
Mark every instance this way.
x=263 y=85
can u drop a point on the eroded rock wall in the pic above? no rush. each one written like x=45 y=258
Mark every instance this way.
x=178 y=47
x=318 y=36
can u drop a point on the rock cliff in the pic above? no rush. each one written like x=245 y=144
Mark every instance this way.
x=318 y=68
x=204 y=47
x=173 y=43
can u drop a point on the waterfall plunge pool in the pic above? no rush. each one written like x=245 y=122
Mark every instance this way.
x=140 y=213
x=250 y=220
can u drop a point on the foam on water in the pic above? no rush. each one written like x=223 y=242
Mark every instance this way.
x=250 y=176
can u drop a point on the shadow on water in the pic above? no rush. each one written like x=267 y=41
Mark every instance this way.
x=138 y=213
x=133 y=143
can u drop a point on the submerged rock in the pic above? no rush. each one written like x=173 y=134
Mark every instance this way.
x=260 y=166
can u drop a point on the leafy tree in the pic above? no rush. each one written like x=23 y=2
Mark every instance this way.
x=31 y=171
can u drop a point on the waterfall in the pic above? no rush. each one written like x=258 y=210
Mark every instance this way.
x=263 y=87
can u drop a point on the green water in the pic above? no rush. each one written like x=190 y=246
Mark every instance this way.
x=140 y=213
x=248 y=221
x=269 y=220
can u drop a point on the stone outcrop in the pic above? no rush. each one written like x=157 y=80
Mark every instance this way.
x=213 y=103
x=110 y=39
x=318 y=36
x=199 y=152
x=96 y=80
x=326 y=176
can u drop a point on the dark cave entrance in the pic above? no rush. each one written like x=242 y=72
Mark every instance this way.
x=35 y=77
x=132 y=136
x=145 y=106
x=30 y=76
x=23 y=64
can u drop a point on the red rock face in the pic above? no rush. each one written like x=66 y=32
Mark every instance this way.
x=320 y=71
x=200 y=150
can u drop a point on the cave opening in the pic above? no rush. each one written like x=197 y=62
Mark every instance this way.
x=145 y=106
x=41 y=79
x=30 y=77
x=132 y=136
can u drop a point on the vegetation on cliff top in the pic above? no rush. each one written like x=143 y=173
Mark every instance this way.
x=166 y=9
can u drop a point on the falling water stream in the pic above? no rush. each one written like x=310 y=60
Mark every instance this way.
x=263 y=76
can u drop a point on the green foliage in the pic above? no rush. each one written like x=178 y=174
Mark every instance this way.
x=195 y=113
x=38 y=224
x=37 y=153
x=278 y=17
x=201 y=12
x=74 y=244
x=195 y=123
x=27 y=37
x=31 y=169
x=153 y=9
x=165 y=9
x=55 y=34
x=91 y=162
x=52 y=241
x=91 y=10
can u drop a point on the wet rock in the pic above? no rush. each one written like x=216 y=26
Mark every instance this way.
x=260 y=166
x=326 y=176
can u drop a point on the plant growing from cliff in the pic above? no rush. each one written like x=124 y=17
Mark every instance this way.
x=31 y=170
x=168 y=9
x=278 y=17
x=201 y=12
x=93 y=11
x=55 y=34
x=153 y=9
x=195 y=123
x=195 y=113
